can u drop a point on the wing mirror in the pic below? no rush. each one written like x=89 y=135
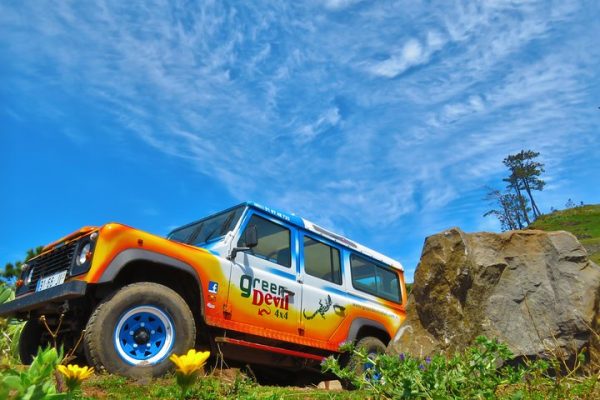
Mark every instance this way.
x=250 y=240
x=251 y=236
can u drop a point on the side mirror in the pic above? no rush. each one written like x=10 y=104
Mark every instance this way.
x=250 y=239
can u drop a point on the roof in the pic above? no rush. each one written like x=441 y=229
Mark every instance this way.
x=312 y=227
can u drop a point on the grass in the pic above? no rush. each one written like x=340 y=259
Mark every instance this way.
x=583 y=222
x=212 y=387
x=230 y=384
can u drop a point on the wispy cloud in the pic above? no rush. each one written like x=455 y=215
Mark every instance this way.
x=328 y=119
x=413 y=53
x=339 y=4
x=359 y=114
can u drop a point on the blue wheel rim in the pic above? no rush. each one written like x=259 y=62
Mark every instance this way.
x=369 y=368
x=144 y=334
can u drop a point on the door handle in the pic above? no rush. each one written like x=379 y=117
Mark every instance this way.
x=339 y=310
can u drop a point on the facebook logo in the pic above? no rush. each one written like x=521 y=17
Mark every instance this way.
x=213 y=287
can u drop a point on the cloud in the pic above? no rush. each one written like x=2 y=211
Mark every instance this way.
x=328 y=119
x=378 y=116
x=413 y=53
x=339 y=4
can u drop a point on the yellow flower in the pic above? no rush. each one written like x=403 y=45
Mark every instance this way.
x=191 y=362
x=75 y=374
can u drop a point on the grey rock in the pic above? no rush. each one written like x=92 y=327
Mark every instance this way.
x=535 y=291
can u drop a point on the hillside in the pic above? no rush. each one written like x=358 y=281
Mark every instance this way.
x=583 y=222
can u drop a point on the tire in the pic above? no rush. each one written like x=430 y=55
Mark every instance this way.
x=34 y=336
x=373 y=347
x=134 y=331
x=30 y=340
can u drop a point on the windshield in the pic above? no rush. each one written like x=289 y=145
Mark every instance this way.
x=207 y=229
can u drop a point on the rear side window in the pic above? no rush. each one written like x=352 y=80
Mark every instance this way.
x=322 y=261
x=375 y=279
x=273 y=241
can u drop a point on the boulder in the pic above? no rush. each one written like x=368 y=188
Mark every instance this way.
x=535 y=291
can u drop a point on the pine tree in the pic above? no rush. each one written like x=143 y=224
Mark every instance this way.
x=509 y=213
x=525 y=177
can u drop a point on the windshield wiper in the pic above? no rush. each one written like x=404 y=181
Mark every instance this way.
x=222 y=229
x=227 y=222
x=194 y=234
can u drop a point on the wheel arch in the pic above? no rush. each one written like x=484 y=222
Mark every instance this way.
x=362 y=327
x=138 y=265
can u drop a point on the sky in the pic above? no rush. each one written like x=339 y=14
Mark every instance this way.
x=384 y=121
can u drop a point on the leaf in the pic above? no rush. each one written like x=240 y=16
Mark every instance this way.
x=5 y=294
x=12 y=382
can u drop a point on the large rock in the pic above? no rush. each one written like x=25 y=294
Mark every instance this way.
x=535 y=291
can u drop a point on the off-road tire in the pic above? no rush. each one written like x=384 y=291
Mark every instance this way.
x=100 y=334
x=372 y=346
x=30 y=340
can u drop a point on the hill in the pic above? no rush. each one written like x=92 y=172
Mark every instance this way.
x=583 y=222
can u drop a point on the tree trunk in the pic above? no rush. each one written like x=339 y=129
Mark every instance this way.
x=534 y=207
x=522 y=203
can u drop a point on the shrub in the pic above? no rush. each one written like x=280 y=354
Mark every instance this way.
x=37 y=382
x=475 y=373
x=10 y=331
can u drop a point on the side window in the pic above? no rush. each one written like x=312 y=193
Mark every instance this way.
x=273 y=241
x=322 y=261
x=374 y=279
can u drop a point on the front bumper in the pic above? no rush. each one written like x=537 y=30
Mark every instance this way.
x=57 y=294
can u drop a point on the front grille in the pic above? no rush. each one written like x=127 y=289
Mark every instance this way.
x=47 y=264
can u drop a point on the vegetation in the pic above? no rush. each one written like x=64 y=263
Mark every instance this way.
x=36 y=382
x=42 y=381
x=12 y=270
x=516 y=207
x=10 y=330
x=483 y=371
x=581 y=221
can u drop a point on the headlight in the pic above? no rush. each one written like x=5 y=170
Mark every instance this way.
x=82 y=257
x=85 y=253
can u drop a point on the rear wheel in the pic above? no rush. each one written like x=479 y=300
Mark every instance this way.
x=372 y=347
x=134 y=332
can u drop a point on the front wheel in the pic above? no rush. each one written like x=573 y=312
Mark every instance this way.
x=30 y=340
x=133 y=332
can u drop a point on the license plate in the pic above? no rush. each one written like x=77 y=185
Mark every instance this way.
x=51 y=281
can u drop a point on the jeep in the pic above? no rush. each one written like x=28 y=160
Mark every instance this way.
x=260 y=288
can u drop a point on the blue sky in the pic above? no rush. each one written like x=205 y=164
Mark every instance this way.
x=380 y=120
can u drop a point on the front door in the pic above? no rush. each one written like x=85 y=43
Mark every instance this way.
x=264 y=295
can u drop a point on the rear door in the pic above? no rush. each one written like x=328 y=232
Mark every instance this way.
x=324 y=300
x=264 y=293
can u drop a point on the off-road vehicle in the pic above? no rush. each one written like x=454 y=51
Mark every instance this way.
x=256 y=286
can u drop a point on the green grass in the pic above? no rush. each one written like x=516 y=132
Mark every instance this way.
x=583 y=222
x=233 y=385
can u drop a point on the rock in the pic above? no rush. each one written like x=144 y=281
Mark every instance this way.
x=535 y=291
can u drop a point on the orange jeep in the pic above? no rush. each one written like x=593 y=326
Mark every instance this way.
x=258 y=286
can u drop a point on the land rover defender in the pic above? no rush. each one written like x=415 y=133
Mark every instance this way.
x=256 y=286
